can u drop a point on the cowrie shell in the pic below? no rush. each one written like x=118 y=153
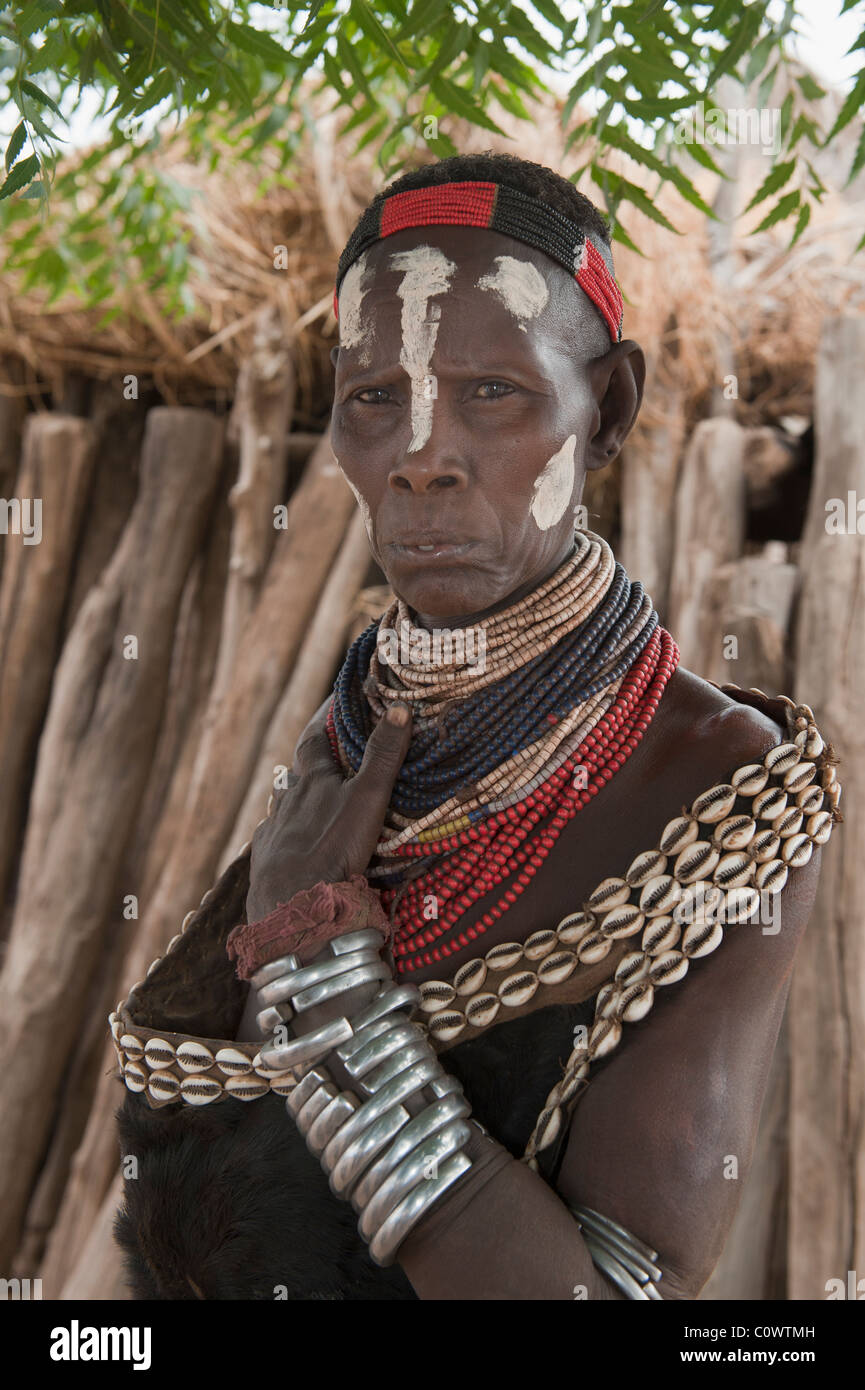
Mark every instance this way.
x=158 y=1053
x=646 y=866
x=789 y=822
x=132 y=1046
x=678 y=833
x=796 y=851
x=134 y=1076
x=572 y=1084
x=282 y=1082
x=116 y=1029
x=714 y=804
x=700 y=938
x=666 y=969
x=608 y=1000
x=593 y=948
x=233 y=1062
x=741 y=904
x=695 y=861
x=482 y=1009
x=504 y=956
x=814 y=745
x=163 y=1085
x=771 y=876
x=660 y=934
x=200 y=1090
x=660 y=895
x=733 y=870
x=632 y=967
x=828 y=775
x=637 y=1001
x=799 y=777
x=764 y=846
x=769 y=804
x=246 y=1087
x=557 y=967
x=810 y=799
x=446 y=1025
x=518 y=988
x=781 y=758
x=735 y=832
x=539 y=944
x=819 y=827
x=699 y=901
x=194 y=1057
x=750 y=779
x=471 y=976
x=621 y=921
x=436 y=994
x=188 y=918
x=575 y=927
x=610 y=892
x=604 y=1036
x=151 y=967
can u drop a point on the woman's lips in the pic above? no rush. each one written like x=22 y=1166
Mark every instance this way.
x=432 y=550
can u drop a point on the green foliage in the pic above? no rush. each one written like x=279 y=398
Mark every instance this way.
x=398 y=72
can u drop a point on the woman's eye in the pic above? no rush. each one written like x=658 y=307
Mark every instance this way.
x=492 y=390
x=376 y=391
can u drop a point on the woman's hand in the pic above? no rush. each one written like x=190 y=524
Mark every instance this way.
x=322 y=827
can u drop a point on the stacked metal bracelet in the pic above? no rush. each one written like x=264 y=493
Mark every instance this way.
x=624 y=1259
x=417 y=1158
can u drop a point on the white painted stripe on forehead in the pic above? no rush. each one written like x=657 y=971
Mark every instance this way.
x=353 y=328
x=519 y=285
x=426 y=272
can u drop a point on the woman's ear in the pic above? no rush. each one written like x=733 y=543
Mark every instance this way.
x=617 y=379
x=334 y=355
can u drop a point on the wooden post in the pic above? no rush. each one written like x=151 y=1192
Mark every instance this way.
x=827 y=1011
x=93 y=760
x=710 y=529
x=55 y=473
x=751 y=600
x=323 y=647
x=650 y=472
x=259 y=421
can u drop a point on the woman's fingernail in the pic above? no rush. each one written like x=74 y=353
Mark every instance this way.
x=399 y=715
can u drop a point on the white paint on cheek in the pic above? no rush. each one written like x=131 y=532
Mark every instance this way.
x=519 y=285
x=554 y=486
x=361 y=501
x=354 y=329
x=426 y=272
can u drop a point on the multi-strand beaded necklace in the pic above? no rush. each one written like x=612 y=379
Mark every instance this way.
x=504 y=751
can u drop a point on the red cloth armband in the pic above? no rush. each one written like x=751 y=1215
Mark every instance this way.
x=304 y=925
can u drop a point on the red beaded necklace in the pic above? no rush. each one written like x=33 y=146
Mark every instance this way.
x=511 y=845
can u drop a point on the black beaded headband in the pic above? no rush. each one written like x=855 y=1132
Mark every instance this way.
x=499 y=208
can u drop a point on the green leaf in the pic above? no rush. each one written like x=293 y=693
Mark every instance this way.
x=702 y=156
x=619 y=234
x=758 y=58
x=348 y=58
x=850 y=106
x=858 y=158
x=801 y=223
x=13 y=149
x=459 y=103
x=775 y=179
x=38 y=95
x=765 y=86
x=784 y=208
x=20 y=174
x=623 y=188
x=809 y=88
x=746 y=32
x=375 y=31
x=256 y=42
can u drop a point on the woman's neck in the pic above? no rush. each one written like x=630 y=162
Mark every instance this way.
x=431 y=623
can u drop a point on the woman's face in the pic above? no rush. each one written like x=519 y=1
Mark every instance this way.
x=475 y=384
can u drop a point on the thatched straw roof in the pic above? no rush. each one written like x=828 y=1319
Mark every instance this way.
x=681 y=301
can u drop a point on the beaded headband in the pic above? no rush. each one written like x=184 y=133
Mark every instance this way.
x=498 y=208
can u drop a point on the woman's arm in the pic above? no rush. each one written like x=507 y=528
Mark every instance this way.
x=651 y=1143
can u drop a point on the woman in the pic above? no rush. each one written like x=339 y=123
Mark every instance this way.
x=552 y=824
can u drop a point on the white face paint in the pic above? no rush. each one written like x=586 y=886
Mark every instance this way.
x=554 y=486
x=361 y=501
x=519 y=285
x=426 y=272
x=354 y=329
